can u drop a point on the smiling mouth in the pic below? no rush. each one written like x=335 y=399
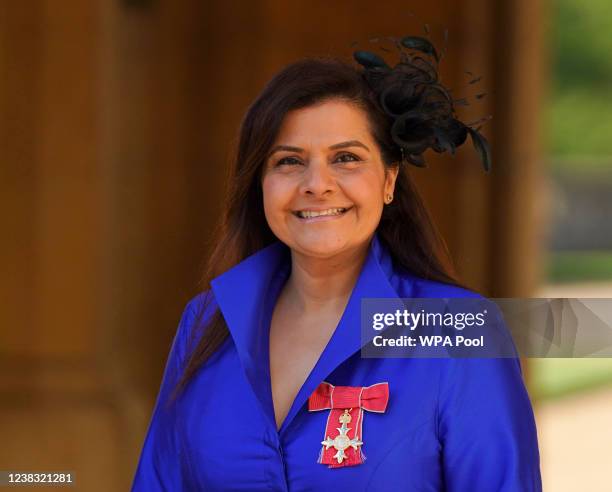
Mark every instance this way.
x=330 y=212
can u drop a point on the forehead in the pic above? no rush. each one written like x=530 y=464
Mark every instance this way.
x=327 y=122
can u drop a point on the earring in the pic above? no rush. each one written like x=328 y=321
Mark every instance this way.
x=389 y=199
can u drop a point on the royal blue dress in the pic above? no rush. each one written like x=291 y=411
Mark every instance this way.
x=451 y=424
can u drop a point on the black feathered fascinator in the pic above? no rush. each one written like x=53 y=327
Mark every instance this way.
x=422 y=109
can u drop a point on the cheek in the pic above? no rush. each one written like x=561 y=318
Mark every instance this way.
x=276 y=195
x=365 y=190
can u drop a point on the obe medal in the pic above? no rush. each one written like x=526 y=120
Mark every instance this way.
x=342 y=441
x=347 y=405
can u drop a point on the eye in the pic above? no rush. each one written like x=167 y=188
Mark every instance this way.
x=353 y=158
x=286 y=160
x=345 y=157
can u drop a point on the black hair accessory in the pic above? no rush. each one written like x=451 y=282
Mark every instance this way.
x=421 y=107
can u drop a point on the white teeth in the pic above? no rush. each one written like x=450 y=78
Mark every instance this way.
x=307 y=214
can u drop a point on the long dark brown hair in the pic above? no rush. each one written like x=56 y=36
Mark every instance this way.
x=405 y=226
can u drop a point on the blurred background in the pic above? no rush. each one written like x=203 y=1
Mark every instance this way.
x=117 y=121
x=574 y=396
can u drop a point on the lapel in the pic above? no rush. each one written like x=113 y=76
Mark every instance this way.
x=246 y=295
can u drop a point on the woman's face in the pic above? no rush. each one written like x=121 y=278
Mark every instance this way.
x=324 y=161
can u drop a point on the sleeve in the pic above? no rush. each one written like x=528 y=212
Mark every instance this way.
x=159 y=465
x=487 y=428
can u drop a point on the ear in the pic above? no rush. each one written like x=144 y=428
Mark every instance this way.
x=390 y=178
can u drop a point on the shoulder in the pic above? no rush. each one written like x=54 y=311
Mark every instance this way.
x=194 y=318
x=421 y=287
x=499 y=340
x=199 y=309
x=203 y=302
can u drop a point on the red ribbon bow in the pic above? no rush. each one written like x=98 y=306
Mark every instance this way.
x=346 y=404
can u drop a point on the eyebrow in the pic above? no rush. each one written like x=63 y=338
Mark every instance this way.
x=341 y=145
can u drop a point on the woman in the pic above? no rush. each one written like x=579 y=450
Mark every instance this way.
x=264 y=387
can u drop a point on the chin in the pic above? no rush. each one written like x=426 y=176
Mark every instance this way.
x=321 y=244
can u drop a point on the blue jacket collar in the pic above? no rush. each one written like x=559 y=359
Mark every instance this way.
x=246 y=295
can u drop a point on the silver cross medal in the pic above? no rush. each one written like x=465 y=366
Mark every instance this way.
x=342 y=441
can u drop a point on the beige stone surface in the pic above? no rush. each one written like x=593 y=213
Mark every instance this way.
x=575 y=435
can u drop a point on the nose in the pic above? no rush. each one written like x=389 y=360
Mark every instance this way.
x=318 y=179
